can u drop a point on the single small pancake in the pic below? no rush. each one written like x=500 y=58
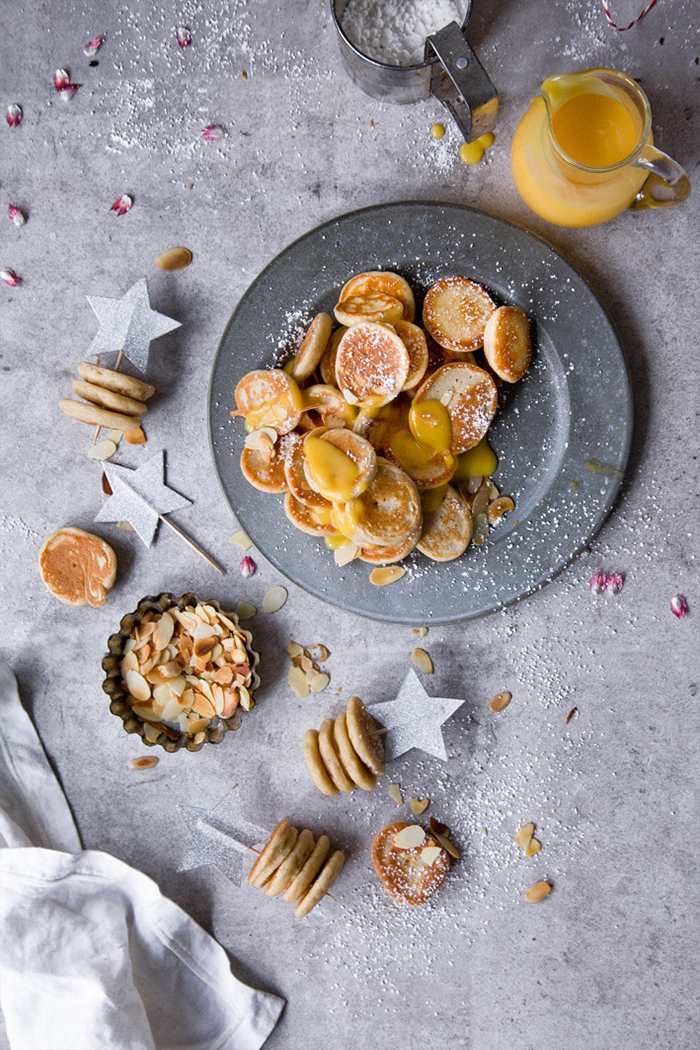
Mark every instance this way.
x=270 y=477
x=469 y=395
x=119 y=382
x=321 y=885
x=312 y=521
x=330 y=404
x=353 y=765
x=297 y=483
x=102 y=417
x=447 y=530
x=371 y=365
x=331 y=759
x=292 y=865
x=407 y=878
x=455 y=312
x=278 y=847
x=427 y=471
x=312 y=347
x=315 y=766
x=357 y=449
x=327 y=366
x=303 y=880
x=386 y=281
x=390 y=555
x=377 y=307
x=270 y=398
x=364 y=736
x=389 y=510
x=415 y=342
x=507 y=344
x=78 y=567
x=98 y=395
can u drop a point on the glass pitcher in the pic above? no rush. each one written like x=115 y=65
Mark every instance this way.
x=583 y=152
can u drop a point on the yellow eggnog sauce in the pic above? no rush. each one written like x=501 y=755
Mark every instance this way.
x=432 y=498
x=595 y=130
x=331 y=471
x=289 y=403
x=336 y=541
x=430 y=424
x=345 y=520
x=480 y=461
x=414 y=456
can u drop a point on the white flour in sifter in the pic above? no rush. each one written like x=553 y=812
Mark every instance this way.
x=394 y=31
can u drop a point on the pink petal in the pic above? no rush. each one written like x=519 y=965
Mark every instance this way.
x=184 y=36
x=614 y=583
x=93 y=46
x=14 y=115
x=16 y=216
x=598 y=583
x=61 y=79
x=679 y=606
x=10 y=277
x=248 y=566
x=122 y=204
x=213 y=132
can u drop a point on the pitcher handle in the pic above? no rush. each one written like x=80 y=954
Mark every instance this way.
x=667 y=184
x=461 y=83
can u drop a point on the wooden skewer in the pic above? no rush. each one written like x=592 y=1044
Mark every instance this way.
x=117 y=366
x=257 y=854
x=192 y=544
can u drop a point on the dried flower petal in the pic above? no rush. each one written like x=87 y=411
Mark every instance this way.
x=11 y=278
x=14 y=115
x=598 y=583
x=679 y=606
x=614 y=583
x=16 y=216
x=62 y=83
x=122 y=204
x=184 y=36
x=93 y=46
x=248 y=567
x=212 y=133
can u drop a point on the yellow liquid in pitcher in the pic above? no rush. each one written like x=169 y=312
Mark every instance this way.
x=595 y=130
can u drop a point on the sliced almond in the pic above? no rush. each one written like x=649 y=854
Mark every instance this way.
x=151 y=733
x=138 y=686
x=524 y=835
x=395 y=793
x=135 y=436
x=500 y=701
x=429 y=854
x=102 y=450
x=409 y=837
x=345 y=554
x=297 y=681
x=125 y=526
x=294 y=649
x=319 y=682
x=498 y=508
x=532 y=848
x=419 y=805
x=422 y=661
x=163 y=631
x=275 y=599
x=319 y=652
x=385 y=574
x=247 y=702
x=241 y=540
x=420 y=631
x=537 y=892
x=174 y=259
x=245 y=610
x=146 y=762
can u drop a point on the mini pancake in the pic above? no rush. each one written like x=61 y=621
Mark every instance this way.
x=314 y=522
x=470 y=396
x=296 y=479
x=376 y=307
x=270 y=477
x=427 y=471
x=303 y=880
x=98 y=395
x=415 y=342
x=447 y=530
x=455 y=312
x=331 y=759
x=321 y=885
x=364 y=736
x=292 y=864
x=389 y=510
x=327 y=365
x=278 y=847
x=77 y=567
x=390 y=555
x=371 y=365
x=386 y=281
x=314 y=764
x=507 y=344
x=312 y=348
x=357 y=449
x=330 y=405
x=119 y=382
x=269 y=398
x=353 y=765
x=404 y=874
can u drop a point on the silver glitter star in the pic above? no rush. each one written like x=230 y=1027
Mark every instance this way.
x=128 y=324
x=221 y=836
x=413 y=719
x=140 y=496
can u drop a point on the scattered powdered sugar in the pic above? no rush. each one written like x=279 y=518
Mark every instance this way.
x=394 y=31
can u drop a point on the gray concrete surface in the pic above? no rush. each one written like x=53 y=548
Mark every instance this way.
x=610 y=959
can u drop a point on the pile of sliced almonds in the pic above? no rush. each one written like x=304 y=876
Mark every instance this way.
x=185 y=668
x=524 y=839
x=486 y=504
x=305 y=676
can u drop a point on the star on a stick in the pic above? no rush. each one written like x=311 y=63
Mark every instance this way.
x=221 y=836
x=414 y=719
x=128 y=324
x=140 y=496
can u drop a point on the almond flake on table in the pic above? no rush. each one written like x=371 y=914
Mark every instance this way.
x=102 y=450
x=245 y=610
x=500 y=701
x=419 y=805
x=422 y=661
x=275 y=599
x=538 y=892
x=395 y=794
x=241 y=540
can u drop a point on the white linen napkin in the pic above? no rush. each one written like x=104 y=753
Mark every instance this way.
x=92 y=956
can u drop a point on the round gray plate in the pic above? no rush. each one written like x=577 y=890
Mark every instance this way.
x=572 y=406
